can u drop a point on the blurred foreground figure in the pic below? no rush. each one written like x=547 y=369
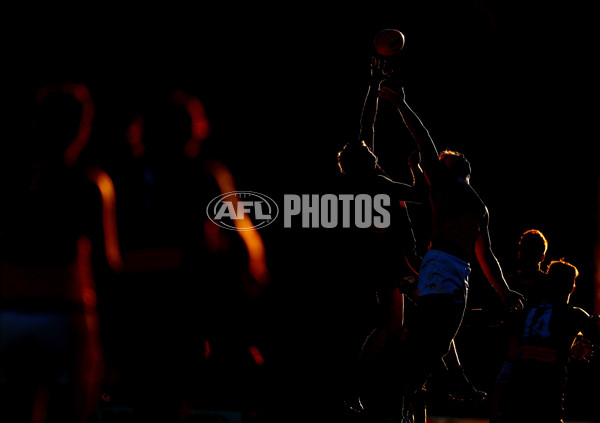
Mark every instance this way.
x=57 y=240
x=183 y=334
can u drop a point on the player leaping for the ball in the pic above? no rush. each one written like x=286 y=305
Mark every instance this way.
x=459 y=236
x=388 y=258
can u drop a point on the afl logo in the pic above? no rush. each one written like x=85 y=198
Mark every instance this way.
x=242 y=210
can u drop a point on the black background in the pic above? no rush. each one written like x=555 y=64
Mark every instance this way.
x=512 y=85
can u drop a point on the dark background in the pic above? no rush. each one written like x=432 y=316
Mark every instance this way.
x=512 y=85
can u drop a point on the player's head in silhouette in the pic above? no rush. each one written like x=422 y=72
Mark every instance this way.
x=561 y=280
x=456 y=163
x=532 y=249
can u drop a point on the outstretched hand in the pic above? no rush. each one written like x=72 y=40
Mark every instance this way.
x=380 y=70
x=582 y=350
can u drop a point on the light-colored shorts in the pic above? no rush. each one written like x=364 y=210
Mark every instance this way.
x=443 y=273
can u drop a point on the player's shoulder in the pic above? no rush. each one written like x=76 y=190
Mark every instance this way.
x=579 y=312
x=575 y=316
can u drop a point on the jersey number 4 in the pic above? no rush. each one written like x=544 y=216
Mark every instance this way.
x=537 y=323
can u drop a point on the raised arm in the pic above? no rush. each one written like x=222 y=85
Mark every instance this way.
x=490 y=266
x=357 y=157
x=379 y=73
x=429 y=153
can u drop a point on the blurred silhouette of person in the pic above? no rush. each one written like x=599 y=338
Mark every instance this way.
x=543 y=334
x=458 y=236
x=58 y=240
x=188 y=314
